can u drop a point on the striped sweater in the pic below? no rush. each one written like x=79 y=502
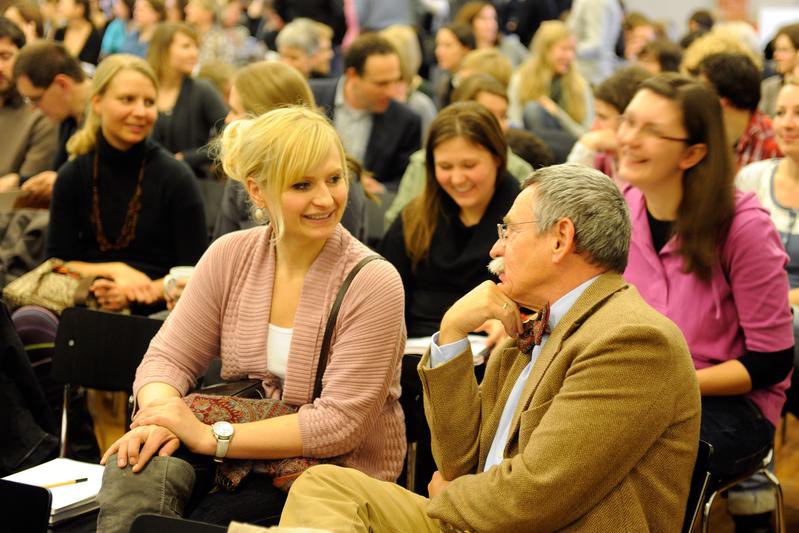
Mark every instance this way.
x=224 y=311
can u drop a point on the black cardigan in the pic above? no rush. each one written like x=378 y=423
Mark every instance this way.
x=456 y=261
x=171 y=225
x=198 y=113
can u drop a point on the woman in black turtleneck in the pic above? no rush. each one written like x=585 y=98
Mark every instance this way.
x=440 y=242
x=123 y=208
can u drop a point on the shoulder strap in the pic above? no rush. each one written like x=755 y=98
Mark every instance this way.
x=331 y=323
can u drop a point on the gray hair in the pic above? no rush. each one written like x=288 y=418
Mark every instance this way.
x=301 y=33
x=593 y=203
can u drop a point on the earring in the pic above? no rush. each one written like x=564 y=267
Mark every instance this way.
x=260 y=213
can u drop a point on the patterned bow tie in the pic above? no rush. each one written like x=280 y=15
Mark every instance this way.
x=533 y=329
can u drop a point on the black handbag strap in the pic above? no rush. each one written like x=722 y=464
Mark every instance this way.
x=331 y=323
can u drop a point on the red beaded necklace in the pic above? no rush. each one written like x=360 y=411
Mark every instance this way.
x=128 y=232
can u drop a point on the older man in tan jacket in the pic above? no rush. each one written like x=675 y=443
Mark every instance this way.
x=589 y=422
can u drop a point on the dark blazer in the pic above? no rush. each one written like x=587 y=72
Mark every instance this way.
x=395 y=134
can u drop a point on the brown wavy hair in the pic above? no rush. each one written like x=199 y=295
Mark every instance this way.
x=472 y=122
x=708 y=201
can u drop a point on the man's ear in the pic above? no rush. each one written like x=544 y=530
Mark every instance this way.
x=562 y=239
x=255 y=193
x=351 y=73
x=63 y=81
x=692 y=155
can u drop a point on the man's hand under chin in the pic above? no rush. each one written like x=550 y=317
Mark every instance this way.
x=484 y=302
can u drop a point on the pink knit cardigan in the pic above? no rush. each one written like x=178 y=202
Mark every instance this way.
x=224 y=311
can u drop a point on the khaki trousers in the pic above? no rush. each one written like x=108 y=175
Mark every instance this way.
x=345 y=500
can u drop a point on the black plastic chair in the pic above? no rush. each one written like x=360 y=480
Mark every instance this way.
x=699 y=482
x=24 y=507
x=153 y=523
x=719 y=486
x=99 y=350
x=419 y=464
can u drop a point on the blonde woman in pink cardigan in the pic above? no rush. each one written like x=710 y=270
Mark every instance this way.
x=259 y=299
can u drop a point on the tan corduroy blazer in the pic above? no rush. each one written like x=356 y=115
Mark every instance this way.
x=605 y=435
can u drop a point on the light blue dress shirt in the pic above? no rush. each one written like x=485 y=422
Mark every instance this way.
x=442 y=354
x=354 y=126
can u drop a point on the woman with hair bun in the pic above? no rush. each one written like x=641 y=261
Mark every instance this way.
x=259 y=299
x=257 y=89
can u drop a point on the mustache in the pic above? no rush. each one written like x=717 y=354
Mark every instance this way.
x=497 y=266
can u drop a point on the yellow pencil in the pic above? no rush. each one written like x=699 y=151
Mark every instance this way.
x=62 y=483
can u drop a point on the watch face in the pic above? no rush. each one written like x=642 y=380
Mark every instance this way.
x=223 y=429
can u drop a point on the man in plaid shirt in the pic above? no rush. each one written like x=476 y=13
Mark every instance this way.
x=736 y=79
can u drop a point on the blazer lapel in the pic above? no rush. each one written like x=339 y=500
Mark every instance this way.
x=376 y=146
x=604 y=286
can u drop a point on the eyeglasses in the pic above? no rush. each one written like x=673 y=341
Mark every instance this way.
x=647 y=130
x=503 y=229
x=35 y=100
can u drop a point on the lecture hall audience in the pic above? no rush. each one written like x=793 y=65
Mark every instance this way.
x=590 y=89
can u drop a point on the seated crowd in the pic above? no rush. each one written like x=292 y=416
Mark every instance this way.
x=588 y=227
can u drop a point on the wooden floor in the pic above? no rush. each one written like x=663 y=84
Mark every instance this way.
x=787 y=470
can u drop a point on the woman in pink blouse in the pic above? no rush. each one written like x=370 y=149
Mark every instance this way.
x=260 y=299
x=707 y=256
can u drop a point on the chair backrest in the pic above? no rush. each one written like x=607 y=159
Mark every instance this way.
x=699 y=481
x=24 y=507
x=411 y=399
x=101 y=350
x=152 y=523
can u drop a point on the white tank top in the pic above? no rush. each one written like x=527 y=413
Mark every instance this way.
x=277 y=350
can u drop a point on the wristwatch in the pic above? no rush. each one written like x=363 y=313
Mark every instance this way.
x=223 y=433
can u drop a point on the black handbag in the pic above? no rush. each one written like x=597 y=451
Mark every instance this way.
x=251 y=388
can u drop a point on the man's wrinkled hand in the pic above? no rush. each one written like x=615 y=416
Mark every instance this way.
x=484 y=302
